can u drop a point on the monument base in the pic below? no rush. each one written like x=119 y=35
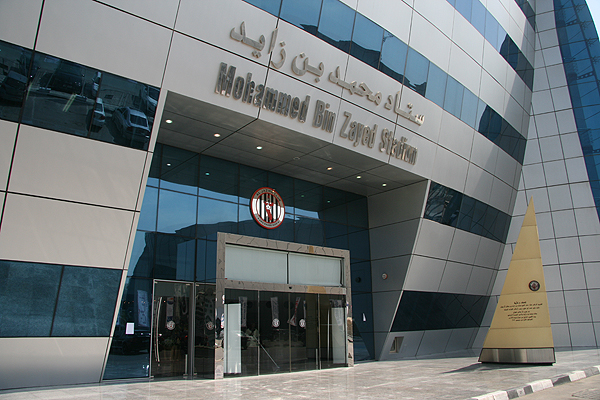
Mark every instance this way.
x=518 y=356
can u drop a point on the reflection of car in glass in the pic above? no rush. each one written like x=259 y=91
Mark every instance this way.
x=149 y=96
x=67 y=78
x=13 y=86
x=132 y=124
x=96 y=116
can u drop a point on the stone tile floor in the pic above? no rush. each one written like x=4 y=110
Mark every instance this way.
x=457 y=377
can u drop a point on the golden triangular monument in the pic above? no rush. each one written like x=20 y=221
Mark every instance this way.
x=520 y=330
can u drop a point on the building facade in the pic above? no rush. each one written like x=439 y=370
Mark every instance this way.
x=397 y=143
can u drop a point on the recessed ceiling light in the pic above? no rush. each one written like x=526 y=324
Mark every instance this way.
x=217 y=135
x=168 y=164
x=258 y=147
x=329 y=168
x=169 y=121
x=384 y=184
x=207 y=173
x=358 y=177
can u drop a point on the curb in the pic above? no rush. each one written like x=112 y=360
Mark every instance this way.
x=540 y=385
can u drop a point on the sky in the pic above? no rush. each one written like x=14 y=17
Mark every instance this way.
x=594 y=6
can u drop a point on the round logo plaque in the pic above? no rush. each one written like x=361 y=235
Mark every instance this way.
x=534 y=286
x=171 y=325
x=267 y=208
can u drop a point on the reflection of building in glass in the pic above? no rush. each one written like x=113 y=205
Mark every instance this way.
x=121 y=170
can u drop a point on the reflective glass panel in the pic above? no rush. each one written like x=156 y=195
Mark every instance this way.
x=175 y=258
x=468 y=113
x=28 y=294
x=393 y=57
x=218 y=179
x=436 y=85
x=179 y=170
x=142 y=255
x=366 y=40
x=57 y=96
x=86 y=301
x=177 y=213
x=15 y=75
x=147 y=221
x=129 y=355
x=454 y=97
x=303 y=14
x=417 y=68
x=335 y=25
x=216 y=216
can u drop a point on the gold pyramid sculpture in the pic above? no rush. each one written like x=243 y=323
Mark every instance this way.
x=520 y=331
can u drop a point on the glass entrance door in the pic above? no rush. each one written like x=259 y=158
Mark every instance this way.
x=204 y=331
x=170 y=329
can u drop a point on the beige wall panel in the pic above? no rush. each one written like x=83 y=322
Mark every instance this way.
x=51 y=231
x=77 y=30
x=8 y=132
x=55 y=165
x=19 y=20
x=27 y=362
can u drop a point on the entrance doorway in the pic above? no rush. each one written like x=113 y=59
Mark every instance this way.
x=268 y=332
x=183 y=327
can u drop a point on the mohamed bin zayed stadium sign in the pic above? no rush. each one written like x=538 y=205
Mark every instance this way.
x=267 y=208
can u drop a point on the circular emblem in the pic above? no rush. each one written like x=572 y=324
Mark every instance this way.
x=302 y=323
x=171 y=325
x=534 y=286
x=275 y=322
x=210 y=326
x=267 y=208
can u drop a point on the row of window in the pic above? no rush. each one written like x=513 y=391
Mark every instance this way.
x=48 y=92
x=41 y=300
x=580 y=52
x=344 y=28
x=420 y=311
x=494 y=33
x=452 y=208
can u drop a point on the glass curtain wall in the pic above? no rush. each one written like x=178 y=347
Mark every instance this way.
x=188 y=199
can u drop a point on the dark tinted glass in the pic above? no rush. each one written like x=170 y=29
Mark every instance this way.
x=175 y=258
x=303 y=14
x=251 y=179
x=15 y=76
x=308 y=199
x=27 y=297
x=427 y=310
x=393 y=57
x=309 y=231
x=218 y=179
x=359 y=244
x=335 y=25
x=147 y=221
x=366 y=41
x=358 y=211
x=179 y=170
x=129 y=109
x=177 y=213
x=154 y=175
x=56 y=98
x=336 y=235
x=417 y=68
x=86 y=302
x=142 y=255
x=468 y=113
x=216 y=216
x=454 y=96
x=436 y=85
x=129 y=353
